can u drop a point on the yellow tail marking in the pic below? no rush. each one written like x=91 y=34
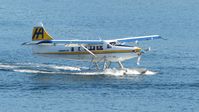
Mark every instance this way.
x=39 y=33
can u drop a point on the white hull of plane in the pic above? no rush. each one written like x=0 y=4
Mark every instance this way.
x=99 y=57
x=112 y=54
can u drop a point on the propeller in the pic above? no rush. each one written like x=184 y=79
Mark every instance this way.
x=148 y=49
x=138 y=60
x=140 y=54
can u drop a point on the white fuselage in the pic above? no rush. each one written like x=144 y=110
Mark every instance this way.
x=103 y=52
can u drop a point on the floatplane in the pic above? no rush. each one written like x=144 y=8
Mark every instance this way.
x=96 y=52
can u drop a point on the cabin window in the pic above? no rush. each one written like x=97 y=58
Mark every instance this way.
x=72 y=49
x=109 y=46
x=99 y=48
x=79 y=49
x=92 y=48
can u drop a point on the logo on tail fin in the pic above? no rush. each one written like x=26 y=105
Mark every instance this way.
x=39 y=33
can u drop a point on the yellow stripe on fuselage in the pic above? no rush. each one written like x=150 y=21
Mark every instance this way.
x=95 y=52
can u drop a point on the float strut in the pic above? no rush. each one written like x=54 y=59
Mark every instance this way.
x=120 y=64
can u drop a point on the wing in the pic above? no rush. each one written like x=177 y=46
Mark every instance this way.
x=140 y=38
x=64 y=42
x=94 y=42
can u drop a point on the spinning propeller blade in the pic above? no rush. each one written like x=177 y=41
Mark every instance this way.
x=138 y=59
x=140 y=54
x=148 y=49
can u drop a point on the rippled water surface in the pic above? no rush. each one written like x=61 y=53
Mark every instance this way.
x=32 y=83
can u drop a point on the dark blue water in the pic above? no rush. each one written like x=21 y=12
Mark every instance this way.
x=31 y=83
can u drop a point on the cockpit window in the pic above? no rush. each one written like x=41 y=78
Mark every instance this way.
x=124 y=45
x=112 y=43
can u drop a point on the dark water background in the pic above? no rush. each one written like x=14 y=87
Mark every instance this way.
x=174 y=89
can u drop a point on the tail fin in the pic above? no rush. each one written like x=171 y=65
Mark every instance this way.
x=39 y=33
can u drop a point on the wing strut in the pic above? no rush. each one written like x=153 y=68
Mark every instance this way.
x=88 y=50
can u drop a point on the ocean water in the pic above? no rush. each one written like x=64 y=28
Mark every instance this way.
x=29 y=83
